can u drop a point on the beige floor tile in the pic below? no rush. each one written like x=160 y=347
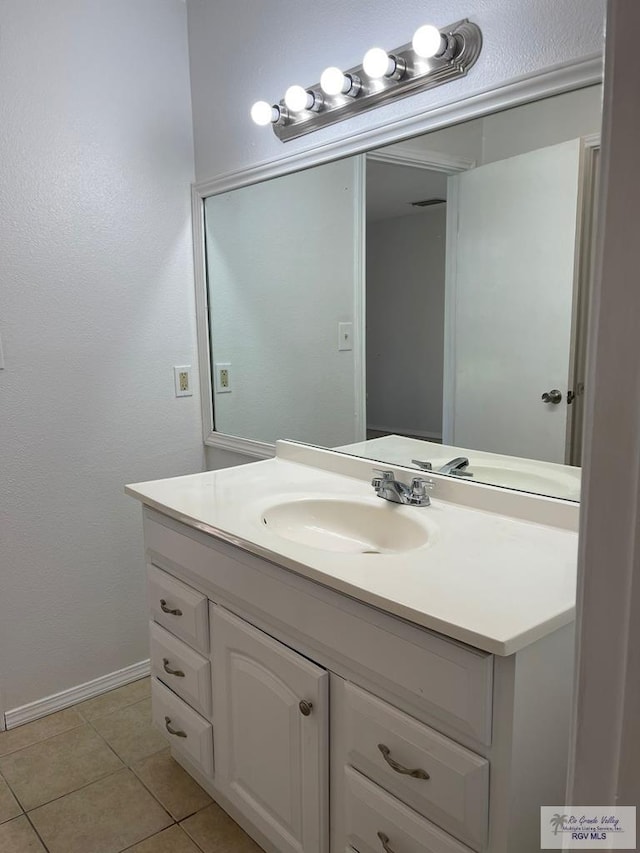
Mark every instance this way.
x=214 y=832
x=114 y=700
x=30 y=733
x=8 y=804
x=168 y=782
x=56 y=766
x=17 y=836
x=129 y=732
x=172 y=840
x=105 y=817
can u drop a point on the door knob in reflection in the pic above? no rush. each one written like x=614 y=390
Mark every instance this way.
x=554 y=397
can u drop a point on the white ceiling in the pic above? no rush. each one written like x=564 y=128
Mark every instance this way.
x=391 y=189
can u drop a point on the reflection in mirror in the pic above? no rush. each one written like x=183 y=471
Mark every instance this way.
x=470 y=248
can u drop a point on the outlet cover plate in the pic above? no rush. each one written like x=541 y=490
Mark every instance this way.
x=223 y=377
x=182 y=380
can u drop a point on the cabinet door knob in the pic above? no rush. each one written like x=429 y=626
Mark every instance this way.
x=165 y=609
x=177 y=672
x=406 y=771
x=175 y=732
x=305 y=708
x=384 y=840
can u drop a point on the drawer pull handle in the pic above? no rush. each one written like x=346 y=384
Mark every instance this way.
x=305 y=707
x=384 y=840
x=175 y=732
x=406 y=771
x=165 y=609
x=165 y=665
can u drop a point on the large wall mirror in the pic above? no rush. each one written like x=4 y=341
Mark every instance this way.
x=423 y=304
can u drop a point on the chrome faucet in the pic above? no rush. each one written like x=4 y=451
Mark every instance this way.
x=456 y=466
x=393 y=490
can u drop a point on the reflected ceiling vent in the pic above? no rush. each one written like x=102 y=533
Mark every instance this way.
x=428 y=202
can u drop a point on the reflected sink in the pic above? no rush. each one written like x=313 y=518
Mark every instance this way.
x=348 y=526
x=528 y=480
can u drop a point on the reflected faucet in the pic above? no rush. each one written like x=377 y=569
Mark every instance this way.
x=456 y=466
x=393 y=490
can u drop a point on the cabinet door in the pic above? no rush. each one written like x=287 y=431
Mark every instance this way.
x=271 y=750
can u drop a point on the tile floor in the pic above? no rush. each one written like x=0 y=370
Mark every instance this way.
x=97 y=778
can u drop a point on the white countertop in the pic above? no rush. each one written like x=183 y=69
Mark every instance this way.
x=495 y=582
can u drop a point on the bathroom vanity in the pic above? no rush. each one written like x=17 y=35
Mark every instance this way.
x=345 y=674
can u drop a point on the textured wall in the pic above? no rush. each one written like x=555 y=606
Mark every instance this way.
x=244 y=50
x=96 y=305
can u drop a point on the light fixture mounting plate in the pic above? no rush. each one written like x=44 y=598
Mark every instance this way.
x=421 y=74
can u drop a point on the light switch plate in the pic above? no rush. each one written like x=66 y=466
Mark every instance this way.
x=345 y=336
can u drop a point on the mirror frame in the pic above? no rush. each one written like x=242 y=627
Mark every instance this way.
x=555 y=81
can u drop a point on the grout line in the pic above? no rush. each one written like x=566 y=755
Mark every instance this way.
x=31 y=824
x=43 y=739
x=75 y=790
x=78 y=707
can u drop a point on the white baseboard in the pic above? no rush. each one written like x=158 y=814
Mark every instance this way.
x=50 y=704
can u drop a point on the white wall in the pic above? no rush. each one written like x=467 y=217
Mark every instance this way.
x=283 y=262
x=405 y=322
x=96 y=306
x=242 y=51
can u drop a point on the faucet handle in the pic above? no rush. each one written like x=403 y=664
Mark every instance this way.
x=380 y=477
x=419 y=491
x=426 y=466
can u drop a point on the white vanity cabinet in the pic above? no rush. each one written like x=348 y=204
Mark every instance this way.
x=323 y=725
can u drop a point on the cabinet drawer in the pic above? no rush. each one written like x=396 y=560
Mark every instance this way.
x=186 y=672
x=185 y=730
x=383 y=743
x=377 y=822
x=179 y=608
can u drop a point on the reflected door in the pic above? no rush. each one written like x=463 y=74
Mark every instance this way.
x=510 y=284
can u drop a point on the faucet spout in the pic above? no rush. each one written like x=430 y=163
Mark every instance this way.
x=456 y=466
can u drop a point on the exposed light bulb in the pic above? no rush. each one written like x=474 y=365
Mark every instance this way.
x=334 y=82
x=263 y=113
x=428 y=41
x=377 y=63
x=298 y=99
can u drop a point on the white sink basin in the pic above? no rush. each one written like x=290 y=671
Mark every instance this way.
x=349 y=526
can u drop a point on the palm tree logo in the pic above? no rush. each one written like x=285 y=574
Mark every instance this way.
x=557 y=822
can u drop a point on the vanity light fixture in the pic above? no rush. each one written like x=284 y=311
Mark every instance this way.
x=264 y=113
x=334 y=82
x=377 y=63
x=428 y=41
x=433 y=57
x=297 y=99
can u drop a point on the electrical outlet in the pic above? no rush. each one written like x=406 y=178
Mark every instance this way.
x=223 y=378
x=182 y=379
